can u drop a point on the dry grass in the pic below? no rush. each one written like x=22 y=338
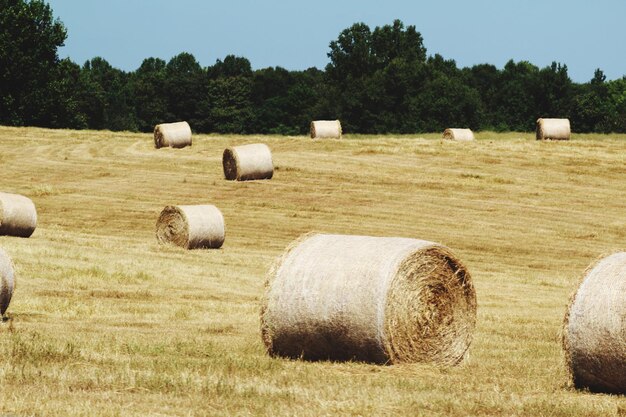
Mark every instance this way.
x=104 y=321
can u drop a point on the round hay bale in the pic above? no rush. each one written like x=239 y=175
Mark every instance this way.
x=192 y=227
x=174 y=135
x=326 y=129
x=594 y=329
x=18 y=215
x=373 y=299
x=7 y=281
x=458 y=134
x=555 y=129
x=248 y=162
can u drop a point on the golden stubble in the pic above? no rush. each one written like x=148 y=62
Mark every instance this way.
x=105 y=321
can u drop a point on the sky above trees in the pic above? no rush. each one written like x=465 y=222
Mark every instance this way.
x=295 y=35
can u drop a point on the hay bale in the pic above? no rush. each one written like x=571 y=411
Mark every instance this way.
x=458 y=134
x=248 y=162
x=594 y=329
x=192 y=227
x=374 y=299
x=174 y=135
x=326 y=129
x=18 y=215
x=7 y=281
x=555 y=129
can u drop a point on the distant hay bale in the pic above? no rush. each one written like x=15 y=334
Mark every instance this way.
x=556 y=129
x=174 y=135
x=374 y=299
x=248 y=162
x=326 y=129
x=18 y=215
x=7 y=281
x=594 y=329
x=192 y=227
x=458 y=134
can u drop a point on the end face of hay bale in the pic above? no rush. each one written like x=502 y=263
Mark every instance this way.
x=174 y=135
x=553 y=129
x=326 y=129
x=18 y=215
x=458 y=134
x=248 y=162
x=191 y=227
x=7 y=281
x=381 y=300
x=229 y=162
x=437 y=289
x=594 y=333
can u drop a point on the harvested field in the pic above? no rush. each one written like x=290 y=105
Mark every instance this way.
x=105 y=321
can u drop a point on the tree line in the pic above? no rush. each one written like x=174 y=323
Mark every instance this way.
x=377 y=81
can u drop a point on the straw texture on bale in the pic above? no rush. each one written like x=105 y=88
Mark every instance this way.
x=7 y=281
x=373 y=299
x=458 y=134
x=174 y=135
x=594 y=330
x=192 y=227
x=326 y=129
x=555 y=129
x=18 y=215
x=248 y=162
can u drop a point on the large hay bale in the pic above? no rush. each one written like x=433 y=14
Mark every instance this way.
x=594 y=329
x=7 y=281
x=374 y=299
x=326 y=129
x=174 y=135
x=248 y=162
x=556 y=129
x=18 y=215
x=458 y=134
x=192 y=227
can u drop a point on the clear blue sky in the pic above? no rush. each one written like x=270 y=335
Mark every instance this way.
x=295 y=34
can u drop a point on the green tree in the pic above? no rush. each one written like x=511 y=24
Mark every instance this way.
x=392 y=42
x=231 y=66
x=591 y=106
x=514 y=102
x=230 y=105
x=270 y=99
x=373 y=77
x=397 y=88
x=447 y=100
x=554 y=91
x=66 y=87
x=29 y=38
x=617 y=98
x=105 y=96
x=147 y=85
x=94 y=82
x=485 y=79
x=185 y=88
x=351 y=54
x=286 y=101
